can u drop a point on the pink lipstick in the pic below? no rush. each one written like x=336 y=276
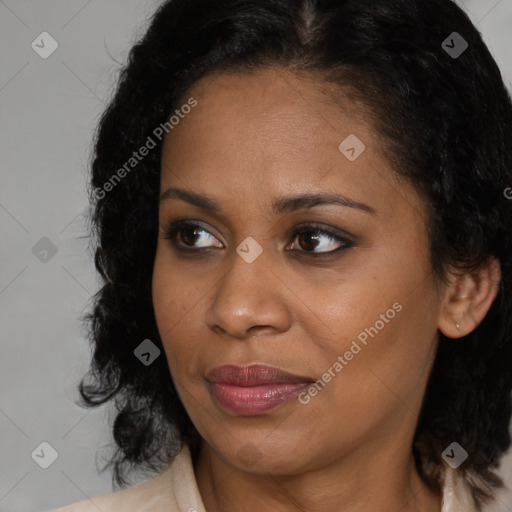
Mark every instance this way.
x=255 y=389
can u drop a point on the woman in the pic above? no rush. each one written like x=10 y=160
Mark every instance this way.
x=305 y=237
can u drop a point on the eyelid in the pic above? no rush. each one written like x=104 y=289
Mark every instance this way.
x=339 y=236
x=345 y=239
x=172 y=228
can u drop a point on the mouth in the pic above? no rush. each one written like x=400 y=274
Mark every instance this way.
x=255 y=389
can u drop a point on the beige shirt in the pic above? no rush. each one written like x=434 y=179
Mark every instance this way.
x=175 y=490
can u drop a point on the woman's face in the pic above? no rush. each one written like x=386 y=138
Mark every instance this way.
x=240 y=286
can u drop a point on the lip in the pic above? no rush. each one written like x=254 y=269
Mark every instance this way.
x=254 y=389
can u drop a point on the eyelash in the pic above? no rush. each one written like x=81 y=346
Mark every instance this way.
x=173 y=228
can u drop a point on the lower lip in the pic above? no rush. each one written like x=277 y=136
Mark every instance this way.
x=253 y=400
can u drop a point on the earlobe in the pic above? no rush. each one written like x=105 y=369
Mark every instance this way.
x=468 y=298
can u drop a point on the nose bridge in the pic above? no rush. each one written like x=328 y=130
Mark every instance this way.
x=248 y=294
x=247 y=276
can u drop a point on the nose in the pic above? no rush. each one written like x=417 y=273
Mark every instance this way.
x=249 y=298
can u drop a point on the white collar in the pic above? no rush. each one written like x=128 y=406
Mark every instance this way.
x=457 y=496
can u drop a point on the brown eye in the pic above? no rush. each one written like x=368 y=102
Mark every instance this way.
x=311 y=237
x=308 y=242
x=189 y=234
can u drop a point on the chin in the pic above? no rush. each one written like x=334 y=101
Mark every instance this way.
x=260 y=455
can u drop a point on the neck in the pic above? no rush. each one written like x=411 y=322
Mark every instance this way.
x=345 y=485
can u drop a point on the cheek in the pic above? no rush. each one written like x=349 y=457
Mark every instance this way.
x=168 y=307
x=173 y=292
x=176 y=302
x=164 y=303
x=382 y=321
x=386 y=358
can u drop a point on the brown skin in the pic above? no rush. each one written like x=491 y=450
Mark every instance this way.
x=251 y=138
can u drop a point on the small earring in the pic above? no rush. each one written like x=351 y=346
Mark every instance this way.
x=458 y=327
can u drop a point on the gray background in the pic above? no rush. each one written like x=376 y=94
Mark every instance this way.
x=48 y=110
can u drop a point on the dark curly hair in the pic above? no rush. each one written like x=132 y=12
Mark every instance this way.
x=447 y=126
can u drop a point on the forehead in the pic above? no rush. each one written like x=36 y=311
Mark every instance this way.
x=272 y=132
x=273 y=104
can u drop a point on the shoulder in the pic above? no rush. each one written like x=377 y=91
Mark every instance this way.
x=167 y=492
x=155 y=494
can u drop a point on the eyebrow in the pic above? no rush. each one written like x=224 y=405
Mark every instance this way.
x=280 y=205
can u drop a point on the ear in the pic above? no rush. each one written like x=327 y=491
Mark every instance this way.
x=468 y=298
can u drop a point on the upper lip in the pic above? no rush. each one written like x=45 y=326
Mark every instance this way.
x=252 y=375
